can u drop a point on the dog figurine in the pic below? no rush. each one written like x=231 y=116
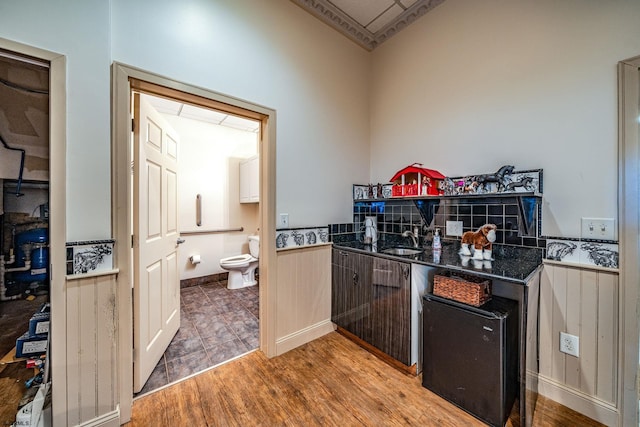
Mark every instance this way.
x=479 y=243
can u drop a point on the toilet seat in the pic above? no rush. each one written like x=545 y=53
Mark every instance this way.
x=238 y=261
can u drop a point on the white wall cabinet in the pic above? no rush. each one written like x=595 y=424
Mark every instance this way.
x=249 y=180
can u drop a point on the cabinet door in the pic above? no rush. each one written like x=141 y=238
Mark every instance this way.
x=250 y=180
x=351 y=292
x=391 y=308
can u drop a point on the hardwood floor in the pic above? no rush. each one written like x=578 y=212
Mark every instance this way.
x=328 y=382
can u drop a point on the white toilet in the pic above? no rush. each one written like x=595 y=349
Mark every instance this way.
x=242 y=268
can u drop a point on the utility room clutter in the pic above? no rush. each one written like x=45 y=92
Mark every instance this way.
x=24 y=298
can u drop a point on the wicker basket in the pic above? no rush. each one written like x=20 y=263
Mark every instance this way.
x=469 y=290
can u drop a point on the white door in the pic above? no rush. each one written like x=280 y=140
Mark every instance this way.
x=156 y=290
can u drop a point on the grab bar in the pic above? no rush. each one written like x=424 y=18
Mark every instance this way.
x=198 y=210
x=220 y=230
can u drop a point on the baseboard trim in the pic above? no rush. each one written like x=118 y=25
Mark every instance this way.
x=303 y=336
x=599 y=410
x=110 y=419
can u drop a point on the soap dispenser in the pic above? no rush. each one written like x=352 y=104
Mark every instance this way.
x=437 y=244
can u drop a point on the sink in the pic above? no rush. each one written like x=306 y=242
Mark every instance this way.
x=402 y=251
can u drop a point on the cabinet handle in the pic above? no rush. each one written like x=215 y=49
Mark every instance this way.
x=344 y=253
x=405 y=272
x=356 y=278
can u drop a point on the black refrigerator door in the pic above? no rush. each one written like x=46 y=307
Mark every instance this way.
x=469 y=356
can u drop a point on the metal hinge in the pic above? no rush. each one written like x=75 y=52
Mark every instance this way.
x=133 y=125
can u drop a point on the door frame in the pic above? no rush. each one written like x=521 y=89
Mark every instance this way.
x=125 y=78
x=629 y=214
x=57 y=218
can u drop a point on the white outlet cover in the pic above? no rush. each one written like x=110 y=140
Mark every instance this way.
x=569 y=344
x=453 y=228
x=284 y=220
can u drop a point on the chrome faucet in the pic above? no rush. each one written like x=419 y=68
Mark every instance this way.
x=414 y=236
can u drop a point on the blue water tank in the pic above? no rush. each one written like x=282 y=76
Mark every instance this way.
x=39 y=240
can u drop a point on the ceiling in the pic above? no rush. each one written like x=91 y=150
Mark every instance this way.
x=368 y=22
x=174 y=108
x=24 y=117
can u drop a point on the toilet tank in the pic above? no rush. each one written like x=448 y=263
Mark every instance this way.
x=254 y=246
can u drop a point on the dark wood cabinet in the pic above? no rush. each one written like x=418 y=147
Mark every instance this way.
x=391 y=308
x=371 y=298
x=351 y=292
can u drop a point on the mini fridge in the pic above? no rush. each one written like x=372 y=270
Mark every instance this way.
x=470 y=355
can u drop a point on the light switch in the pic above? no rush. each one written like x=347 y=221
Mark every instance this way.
x=598 y=228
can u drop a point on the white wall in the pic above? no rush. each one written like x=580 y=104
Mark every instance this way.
x=272 y=53
x=275 y=54
x=475 y=85
x=208 y=165
x=79 y=30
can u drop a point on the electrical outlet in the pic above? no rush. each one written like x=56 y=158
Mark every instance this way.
x=569 y=344
x=284 y=220
x=598 y=228
x=454 y=228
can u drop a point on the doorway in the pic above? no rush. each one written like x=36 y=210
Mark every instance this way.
x=217 y=321
x=126 y=80
x=24 y=221
x=45 y=189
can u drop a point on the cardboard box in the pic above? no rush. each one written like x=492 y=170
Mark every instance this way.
x=27 y=346
x=39 y=324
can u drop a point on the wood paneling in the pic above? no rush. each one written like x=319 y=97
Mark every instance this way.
x=304 y=295
x=91 y=348
x=581 y=302
x=330 y=381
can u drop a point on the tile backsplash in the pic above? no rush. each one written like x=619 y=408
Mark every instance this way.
x=518 y=221
x=517 y=218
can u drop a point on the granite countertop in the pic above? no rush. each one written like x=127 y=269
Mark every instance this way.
x=511 y=263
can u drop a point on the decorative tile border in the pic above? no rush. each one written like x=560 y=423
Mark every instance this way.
x=600 y=253
x=89 y=256
x=304 y=236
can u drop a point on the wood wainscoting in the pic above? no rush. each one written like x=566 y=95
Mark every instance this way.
x=582 y=302
x=91 y=321
x=304 y=295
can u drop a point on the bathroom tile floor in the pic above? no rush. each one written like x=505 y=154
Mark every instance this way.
x=216 y=324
